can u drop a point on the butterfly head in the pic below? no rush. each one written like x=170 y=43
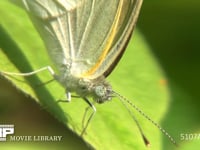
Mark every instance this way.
x=98 y=89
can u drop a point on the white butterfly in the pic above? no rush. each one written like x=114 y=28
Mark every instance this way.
x=86 y=39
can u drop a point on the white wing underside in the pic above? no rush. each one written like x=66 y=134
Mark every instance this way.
x=76 y=31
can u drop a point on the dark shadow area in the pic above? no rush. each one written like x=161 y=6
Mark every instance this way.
x=30 y=120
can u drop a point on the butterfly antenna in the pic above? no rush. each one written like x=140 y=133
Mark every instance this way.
x=124 y=99
x=146 y=141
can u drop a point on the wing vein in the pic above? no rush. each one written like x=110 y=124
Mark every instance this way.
x=86 y=28
x=71 y=41
x=108 y=43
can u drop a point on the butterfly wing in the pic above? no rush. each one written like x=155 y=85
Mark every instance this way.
x=88 y=35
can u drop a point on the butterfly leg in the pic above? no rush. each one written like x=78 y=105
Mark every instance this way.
x=68 y=94
x=90 y=117
x=30 y=73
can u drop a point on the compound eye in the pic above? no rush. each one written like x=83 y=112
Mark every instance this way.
x=100 y=91
x=83 y=88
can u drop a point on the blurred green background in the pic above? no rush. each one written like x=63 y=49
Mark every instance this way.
x=171 y=28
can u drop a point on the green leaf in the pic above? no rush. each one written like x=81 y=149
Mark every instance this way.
x=137 y=77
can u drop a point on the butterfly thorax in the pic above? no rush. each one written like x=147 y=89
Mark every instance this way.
x=98 y=88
